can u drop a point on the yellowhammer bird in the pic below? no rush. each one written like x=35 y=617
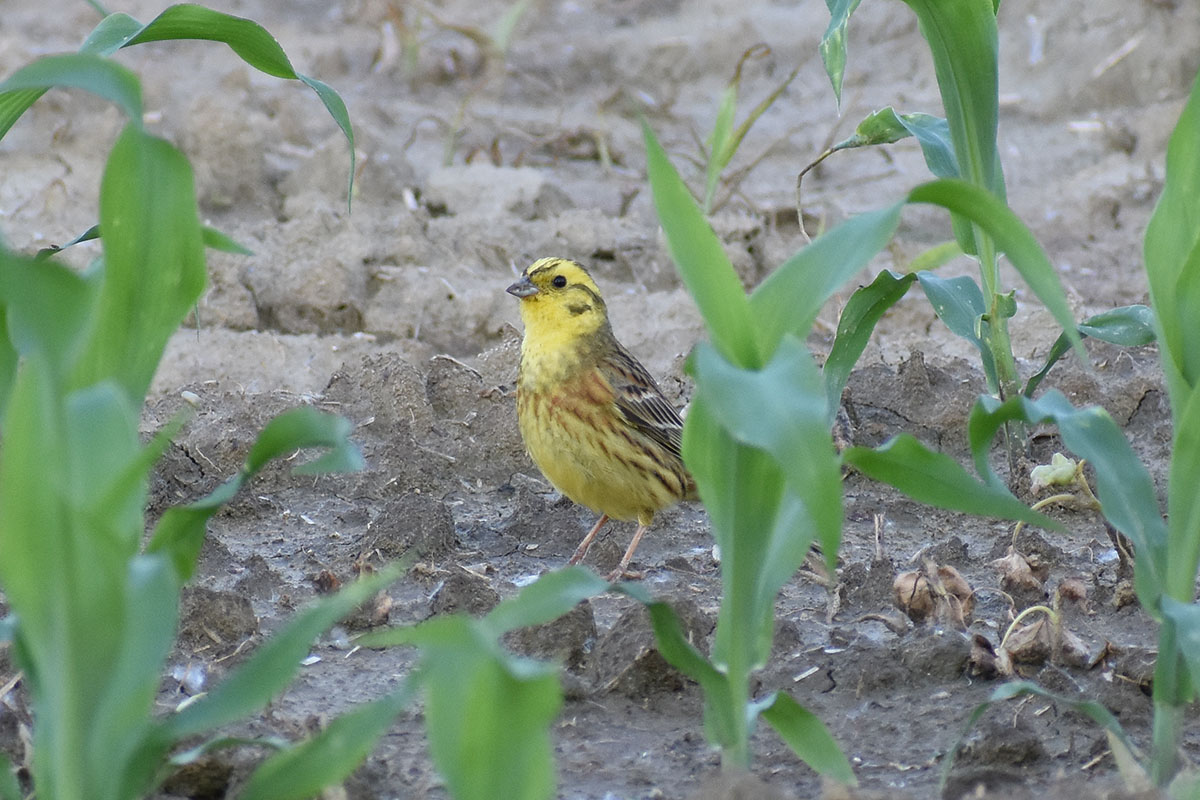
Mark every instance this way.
x=592 y=418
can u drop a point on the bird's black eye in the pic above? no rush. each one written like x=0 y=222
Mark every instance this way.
x=559 y=281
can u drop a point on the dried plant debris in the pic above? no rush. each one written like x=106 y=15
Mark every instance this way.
x=1020 y=572
x=936 y=594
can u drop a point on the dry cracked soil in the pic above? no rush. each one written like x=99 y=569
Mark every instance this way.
x=395 y=316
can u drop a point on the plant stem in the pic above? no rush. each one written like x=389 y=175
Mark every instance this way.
x=735 y=756
x=1000 y=346
x=1171 y=692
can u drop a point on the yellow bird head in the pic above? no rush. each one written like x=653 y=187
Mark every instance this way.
x=559 y=298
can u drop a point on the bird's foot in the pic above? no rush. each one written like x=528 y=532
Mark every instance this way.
x=622 y=574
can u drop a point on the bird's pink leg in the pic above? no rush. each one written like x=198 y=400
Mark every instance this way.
x=581 y=551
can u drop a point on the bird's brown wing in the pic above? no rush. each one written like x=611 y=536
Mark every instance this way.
x=640 y=401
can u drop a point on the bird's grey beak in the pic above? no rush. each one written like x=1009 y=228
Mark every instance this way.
x=522 y=288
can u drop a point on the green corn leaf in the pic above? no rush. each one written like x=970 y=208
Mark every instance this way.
x=211 y=236
x=107 y=469
x=8 y=354
x=782 y=410
x=253 y=44
x=933 y=134
x=113 y=33
x=191 y=755
x=1122 y=483
x=963 y=41
x=885 y=126
x=1128 y=326
x=125 y=750
x=153 y=269
x=1183 y=502
x=1186 y=619
x=806 y=735
x=90 y=235
x=271 y=667
x=743 y=489
x=936 y=479
x=487 y=714
x=719 y=152
x=1012 y=238
x=722 y=714
x=181 y=529
x=833 y=43
x=10 y=787
x=673 y=644
x=32 y=461
x=791 y=296
x=307 y=427
x=546 y=599
x=48 y=307
x=217 y=240
x=60 y=456
x=701 y=260
x=303 y=771
x=1172 y=252
x=959 y=303
x=92 y=73
x=859 y=317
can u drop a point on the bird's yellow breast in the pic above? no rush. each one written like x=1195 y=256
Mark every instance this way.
x=575 y=436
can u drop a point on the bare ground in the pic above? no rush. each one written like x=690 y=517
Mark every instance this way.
x=395 y=316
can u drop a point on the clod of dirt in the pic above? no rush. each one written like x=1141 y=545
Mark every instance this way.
x=555 y=526
x=983 y=661
x=258 y=580
x=216 y=623
x=413 y=525
x=935 y=655
x=738 y=786
x=452 y=387
x=322 y=287
x=626 y=659
x=568 y=639
x=865 y=586
x=489 y=191
x=995 y=741
x=1136 y=665
x=463 y=590
x=1124 y=595
x=986 y=783
x=374 y=612
x=1074 y=590
x=938 y=594
x=206 y=778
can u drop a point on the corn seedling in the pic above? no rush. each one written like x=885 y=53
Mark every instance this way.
x=93 y=613
x=725 y=140
x=1167 y=555
x=757 y=438
x=962 y=38
x=493 y=47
